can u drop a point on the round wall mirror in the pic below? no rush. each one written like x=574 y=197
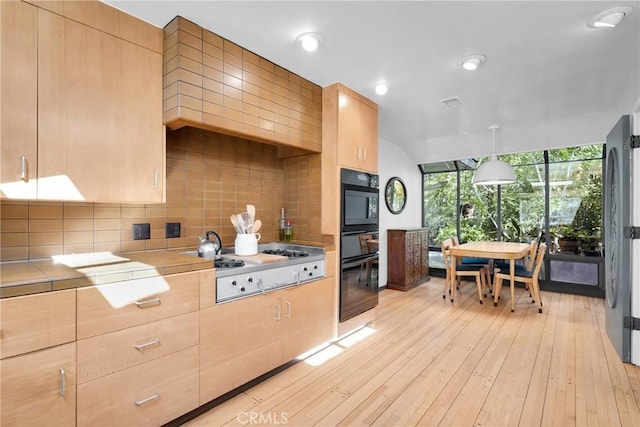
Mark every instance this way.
x=395 y=194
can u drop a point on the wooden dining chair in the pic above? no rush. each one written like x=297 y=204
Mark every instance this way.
x=475 y=260
x=520 y=268
x=475 y=270
x=528 y=277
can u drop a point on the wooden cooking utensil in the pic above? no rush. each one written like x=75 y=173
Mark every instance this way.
x=251 y=210
x=256 y=226
x=236 y=225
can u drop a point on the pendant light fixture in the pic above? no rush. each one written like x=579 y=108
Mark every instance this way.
x=495 y=171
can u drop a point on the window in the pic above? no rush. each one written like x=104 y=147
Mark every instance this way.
x=571 y=212
x=575 y=200
x=523 y=204
x=439 y=202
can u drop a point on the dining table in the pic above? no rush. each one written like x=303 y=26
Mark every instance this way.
x=490 y=249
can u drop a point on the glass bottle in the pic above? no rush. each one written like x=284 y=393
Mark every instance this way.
x=288 y=232
x=282 y=224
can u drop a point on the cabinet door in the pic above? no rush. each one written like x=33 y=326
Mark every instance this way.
x=239 y=341
x=369 y=129
x=99 y=115
x=34 y=322
x=18 y=125
x=141 y=133
x=39 y=388
x=308 y=315
x=349 y=132
x=357 y=133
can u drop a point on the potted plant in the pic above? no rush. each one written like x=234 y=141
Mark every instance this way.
x=567 y=237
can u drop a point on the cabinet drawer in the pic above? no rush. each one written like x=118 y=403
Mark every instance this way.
x=97 y=316
x=115 y=351
x=149 y=394
x=34 y=322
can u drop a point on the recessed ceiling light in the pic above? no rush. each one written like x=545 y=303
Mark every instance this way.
x=381 y=88
x=453 y=102
x=310 y=41
x=610 y=17
x=472 y=62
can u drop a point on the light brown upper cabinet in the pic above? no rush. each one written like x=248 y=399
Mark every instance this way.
x=100 y=126
x=19 y=50
x=96 y=118
x=356 y=127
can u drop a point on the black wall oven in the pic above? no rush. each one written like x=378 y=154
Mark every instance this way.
x=358 y=260
x=360 y=194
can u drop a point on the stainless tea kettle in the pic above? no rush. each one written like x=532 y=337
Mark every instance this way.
x=209 y=248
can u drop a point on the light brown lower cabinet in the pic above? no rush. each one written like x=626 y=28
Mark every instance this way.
x=34 y=322
x=97 y=316
x=150 y=394
x=105 y=354
x=241 y=340
x=39 y=388
x=309 y=317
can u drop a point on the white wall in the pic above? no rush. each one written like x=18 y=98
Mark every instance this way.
x=394 y=162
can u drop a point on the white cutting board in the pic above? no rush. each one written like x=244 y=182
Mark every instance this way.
x=260 y=258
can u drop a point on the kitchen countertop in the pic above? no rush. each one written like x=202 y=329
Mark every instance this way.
x=73 y=271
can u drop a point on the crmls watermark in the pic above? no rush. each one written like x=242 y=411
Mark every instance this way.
x=271 y=418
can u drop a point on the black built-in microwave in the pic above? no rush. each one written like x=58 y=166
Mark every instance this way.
x=360 y=201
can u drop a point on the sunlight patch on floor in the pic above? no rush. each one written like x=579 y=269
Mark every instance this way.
x=356 y=337
x=329 y=350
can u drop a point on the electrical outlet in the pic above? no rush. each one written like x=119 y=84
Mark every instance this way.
x=141 y=231
x=171 y=230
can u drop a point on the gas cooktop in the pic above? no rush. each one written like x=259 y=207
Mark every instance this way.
x=228 y=263
x=296 y=254
x=240 y=278
x=285 y=252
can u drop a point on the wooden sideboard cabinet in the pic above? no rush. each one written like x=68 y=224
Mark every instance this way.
x=408 y=258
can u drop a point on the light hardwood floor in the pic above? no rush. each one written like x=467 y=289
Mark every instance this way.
x=430 y=362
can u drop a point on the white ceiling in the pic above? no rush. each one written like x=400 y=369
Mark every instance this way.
x=549 y=80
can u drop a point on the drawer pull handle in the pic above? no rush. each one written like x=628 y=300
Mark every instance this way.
x=23 y=169
x=155 y=178
x=147 y=303
x=288 y=309
x=148 y=399
x=147 y=344
x=278 y=312
x=63 y=378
